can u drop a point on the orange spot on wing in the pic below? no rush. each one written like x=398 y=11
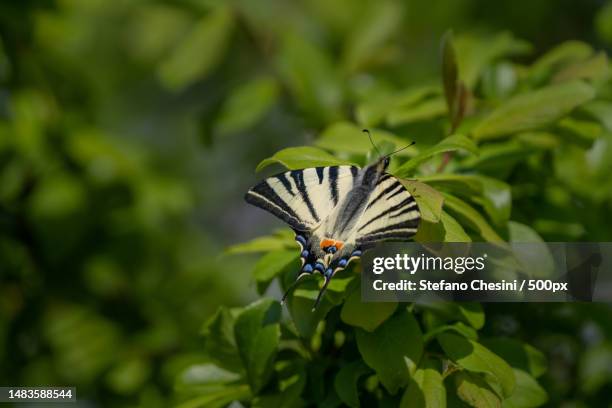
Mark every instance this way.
x=325 y=243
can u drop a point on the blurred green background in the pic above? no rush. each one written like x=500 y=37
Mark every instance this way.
x=130 y=130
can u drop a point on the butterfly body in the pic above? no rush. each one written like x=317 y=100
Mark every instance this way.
x=338 y=212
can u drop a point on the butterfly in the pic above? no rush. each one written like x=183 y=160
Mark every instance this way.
x=338 y=212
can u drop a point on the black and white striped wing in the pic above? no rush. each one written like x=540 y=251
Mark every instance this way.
x=303 y=198
x=391 y=214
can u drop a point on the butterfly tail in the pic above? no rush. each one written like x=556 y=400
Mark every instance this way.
x=292 y=286
x=321 y=292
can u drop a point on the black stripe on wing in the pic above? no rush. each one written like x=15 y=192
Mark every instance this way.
x=407 y=205
x=264 y=196
x=298 y=178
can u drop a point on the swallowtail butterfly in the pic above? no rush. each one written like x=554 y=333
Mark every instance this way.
x=338 y=212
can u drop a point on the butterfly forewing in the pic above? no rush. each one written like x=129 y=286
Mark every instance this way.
x=303 y=198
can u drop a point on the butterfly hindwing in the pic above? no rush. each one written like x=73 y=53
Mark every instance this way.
x=303 y=198
x=391 y=214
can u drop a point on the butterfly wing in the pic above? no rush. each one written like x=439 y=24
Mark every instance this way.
x=303 y=198
x=391 y=214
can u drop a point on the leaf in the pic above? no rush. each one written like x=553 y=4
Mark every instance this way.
x=472 y=313
x=494 y=195
x=536 y=259
x=595 y=68
x=428 y=109
x=370 y=35
x=309 y=73
x=471 y=218
x=601 y=111
x=475 y=392
x=450 y=71
x=199 y=52
x=476 y=358
x=528 y=393
x=392 y=350
x=345 y=137
x=567 y=52
x=218 y=398
x=345 y=382
x=262 y=244
x=426 y=389
x=300 y=305
x=449 y=144
x=373 y=111
x=475 y=53
x=369 y=315
x=518 y=354
x=429 y=200
x=594 y=368
x=447 y=230
x=257 y=333
x=207 y=374
x=533 y=110
x=220 y=343
x=246 y=105
x=273 y=263
x=294 y=158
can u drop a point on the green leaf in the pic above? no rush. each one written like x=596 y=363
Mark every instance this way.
x=425 y=110
x=218 y=398
x=472 y=313
x=311 y=77
x=601 y=111
x=467 y=312
x=528 y=393
x=373 y=111
x=220 y=343
x=345 y=382
x=494 y=195
x=533 y=110
x=429 y=200
x=247 y=104
x=518 y=354
x=594 y=69
x=345 y=137
x=536 y=260
x=295 y=158
x=369 y=36
x=392 y=350
x=594 y=368
x=199 y=52
x=476 y=358
x=426 y=389
x=368 y=316
x=474 y=53
x=450 y=70
x=273 y=263
x=449 y=144
x=263 y=244
x=257 y=333
x=447 y=230
x=471 y=218
x=300 y=305
x=475 y=391
x=459 y=328
x=567 y=52
x=206 y=374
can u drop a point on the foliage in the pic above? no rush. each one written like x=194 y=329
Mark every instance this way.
x=130 y=130
x=490 y=143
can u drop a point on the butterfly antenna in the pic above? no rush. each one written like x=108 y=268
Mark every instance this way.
x=399 y=150
x=320 y=295
x=371 y=141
